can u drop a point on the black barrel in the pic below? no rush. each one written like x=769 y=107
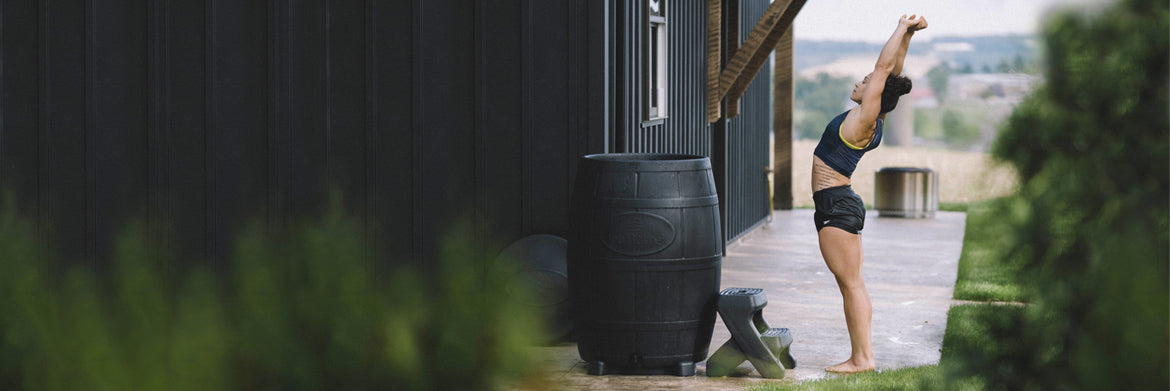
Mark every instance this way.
x=643 y=260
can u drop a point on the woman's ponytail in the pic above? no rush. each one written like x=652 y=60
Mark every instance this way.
x=896 y=86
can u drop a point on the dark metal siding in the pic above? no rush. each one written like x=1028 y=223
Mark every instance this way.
x=196 y=117
x=744 y=195
x=685 y=129
x=747 y=142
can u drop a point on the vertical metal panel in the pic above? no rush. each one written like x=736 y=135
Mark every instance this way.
x=546 y=115
x=498 y=111
x=346 y=95
x=158 y=214
x=527 y=85
x=370 y=136
x=64 y=206
x=116 y=128
x=20 y=76
x=393 y=49
x=278 y=111
x=599 y=56
x=237 y=128
x=306 y=162
x=685 y=130
x=557 y=94
x=185 y=127
x=445 y=126
x=747 y=138
x=210 y=114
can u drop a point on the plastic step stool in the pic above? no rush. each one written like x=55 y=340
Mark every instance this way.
x=751 y=338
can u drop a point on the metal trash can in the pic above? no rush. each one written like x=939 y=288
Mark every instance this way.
x=908 y=192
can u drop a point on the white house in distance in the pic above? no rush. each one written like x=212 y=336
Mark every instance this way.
x=992 y=87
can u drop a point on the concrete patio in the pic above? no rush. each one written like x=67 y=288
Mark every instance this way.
x=910 y=268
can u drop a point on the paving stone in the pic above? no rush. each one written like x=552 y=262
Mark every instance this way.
x=909 y=267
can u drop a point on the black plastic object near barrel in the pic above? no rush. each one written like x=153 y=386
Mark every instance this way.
x=644 y=260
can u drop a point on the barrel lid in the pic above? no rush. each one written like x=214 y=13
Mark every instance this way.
x=905 y=169
x=649 y=161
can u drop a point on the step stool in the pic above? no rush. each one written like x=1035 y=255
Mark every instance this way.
x=751 y=337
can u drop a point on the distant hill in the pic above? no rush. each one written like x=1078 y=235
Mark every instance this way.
x=977 y=52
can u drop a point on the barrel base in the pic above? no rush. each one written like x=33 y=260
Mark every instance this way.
x=681 y=369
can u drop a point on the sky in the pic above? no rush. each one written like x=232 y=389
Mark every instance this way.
x=874 y=20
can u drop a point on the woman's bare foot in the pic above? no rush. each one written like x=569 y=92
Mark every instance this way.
x=852 y=366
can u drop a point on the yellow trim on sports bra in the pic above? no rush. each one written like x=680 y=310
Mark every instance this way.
x=842 y=136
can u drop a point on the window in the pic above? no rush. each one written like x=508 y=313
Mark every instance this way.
x=656 y=60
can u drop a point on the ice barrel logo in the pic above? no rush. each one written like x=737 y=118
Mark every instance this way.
x=638 y=234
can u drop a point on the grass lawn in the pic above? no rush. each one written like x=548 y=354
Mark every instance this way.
x=954 y=206
x=983 y=276
x=965 y=336
x=927 y=377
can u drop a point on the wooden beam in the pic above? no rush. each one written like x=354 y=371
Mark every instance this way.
x=744 y=62
x=782 y=124
x=731 y=106
x=768 y=42
x=714 y=62
x=735 y=64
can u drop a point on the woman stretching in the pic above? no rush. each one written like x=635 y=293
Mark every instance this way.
x=840 y=213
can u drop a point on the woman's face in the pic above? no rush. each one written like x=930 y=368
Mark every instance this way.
x=858 y=89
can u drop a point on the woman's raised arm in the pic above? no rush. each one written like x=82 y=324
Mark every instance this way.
x=889 y=63
x=912 y=25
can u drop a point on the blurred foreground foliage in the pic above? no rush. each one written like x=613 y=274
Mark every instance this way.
x=1090 y=227
x=295 y=310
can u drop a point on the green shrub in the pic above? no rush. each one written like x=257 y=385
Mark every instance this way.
x=1090 y=227
x=957 y=131
x=302 y=309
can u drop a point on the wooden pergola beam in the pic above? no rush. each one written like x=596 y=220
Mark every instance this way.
x=762 y=41
x=714 y=62
x=732 y=40
x=747 y=60
x=782 y=123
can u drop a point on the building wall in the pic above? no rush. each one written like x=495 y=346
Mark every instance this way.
x=198 y=117
x=748 y=136
x=739 y=147
x=685 y=129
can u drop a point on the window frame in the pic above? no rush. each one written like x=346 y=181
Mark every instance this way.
x=656 y=63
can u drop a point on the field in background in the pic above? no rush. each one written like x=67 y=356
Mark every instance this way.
x=986 y=119
x=963 y=176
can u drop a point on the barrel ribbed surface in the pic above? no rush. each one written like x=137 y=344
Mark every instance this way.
x=644 y=259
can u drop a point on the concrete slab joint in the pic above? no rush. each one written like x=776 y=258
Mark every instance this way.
x=910 y=268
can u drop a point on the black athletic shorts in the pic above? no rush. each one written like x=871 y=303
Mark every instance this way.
x=839 y=207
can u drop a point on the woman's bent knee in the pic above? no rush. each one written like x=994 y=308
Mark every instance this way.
x=849 y=282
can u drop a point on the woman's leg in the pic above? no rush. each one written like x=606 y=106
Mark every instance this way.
x=842 y=253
